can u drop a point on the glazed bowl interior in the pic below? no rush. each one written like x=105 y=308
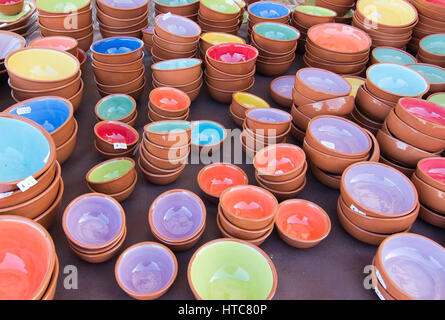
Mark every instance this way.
x=146 y=268
x=110 y=170
x=177 y=215
x=175 y=2
x=438 y=98
x=9 y=43
x=434 y=168
x=390 y=13
x=324 y=81
x=125 y=4
x=216 y=178
x=169 y=98
x=221 y=6
x=380 y=188
x=283 y=86
x=215 y=38
x=178 y=25
x=276 y=31
x=115 y=107
x=176 y=64
x=434 y=44
x=50 y=113
x=392 y=56
x=425 y=110
x=232 y=52
x=250 y=100
x=270 y=115
x=268 y=9
x=340 y=135
x=61 y=6
x=25 y=151
x=434 y=74
x=278 y=159
x=168 y=126
x=55 y=42
x=207 y=133
x=94 y=220
x=25 y=254
x=229 y=270
x=416 y=265
x=117 y=45
x=116 y=132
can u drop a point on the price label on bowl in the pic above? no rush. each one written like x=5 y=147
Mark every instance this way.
x=357 y=210
x=27 y=183
x=120 y=145
x=24 y=110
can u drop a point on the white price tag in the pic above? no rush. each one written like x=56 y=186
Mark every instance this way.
x=355 y=209
x=5 y=194
x=120 y=145
x=24 y=110
x=27 y=183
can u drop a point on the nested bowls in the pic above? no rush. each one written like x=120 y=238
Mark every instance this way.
x=115 y=138
x=214 y=256
x=145 y=283
x=242 y=102
x=268 y=11
x=220 y=16
x=210 y=39
x=177 y=218
x=117 y=107
x=168 y=102
x=307 y=15
x=432 y=49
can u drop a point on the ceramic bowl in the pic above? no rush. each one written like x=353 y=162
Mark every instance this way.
x=33 y=246
x=216 y=255
x=433 y=47
x=248 y=217
x=371 y=106
x=308 y=15
x=168 y=133
x=210 y=39
x=268 y=10
x=236 y=59
x=117 y=50
x=185 y=8
x=169 y=102
x=207 y=134
x=176 y=28
x=341 y=106
x=113 y=21
x=342 y=69
x=234 y=84
x=184 y=48
x=319 y=84
x=109 y=79
x=61 y=68
x=429 y=196
x=271 y=69
x=290 y=185
x=281 y=90
x=161 y=179
x=118 y=107
x=12 y=7
x=93 y=221
x=219 y=9
x=56 y=7
x=61 y=43
x=9 y=42
x=431 y=217
x=141 y=282
x=243 y=101
x=115 y=136
x=392 y=81
x=133 y=65
x=391 y=256
x=430 y=170
x=177 y=216
x=268 y=121
x=391 y=55
x=275 y=37
x=166 y=164
x=172 y=153
x=395 y=199
x=64 y=151
x=328 y=179
x=434 y=74
x=57 y=21
x=123 y=10
x=187 y=87
x=337 y=136
x=291 y=228
x=112 y=176
x=437 y=98
x=214 y=178
x=47 y=218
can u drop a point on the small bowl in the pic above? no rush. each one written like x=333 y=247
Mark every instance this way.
x=207 y=134
x=123 y=10
x=275 y=37
x=177 y=216
x=11 y=7
x=149 y=284
x=117 y=107
x=250 y=218
x=308 y=15
x=272 y=69
x=219 y=9
x=434 y=74
x=117 y=50
x=243 y=101
x=168 y=133
x=161 y=179
x=61 y=43
x=268 y=10
x=429 y=196
x=371 y=106
x=176 y=28
x=391 y=55
x=114 y=136
x=210 y=39
x=14 y=41
x=341 y=106
x=172 y=153
x=268 y=121
x=217 y=254
x=169 y=102
x=166 y=164
x=431 y=171
x=281 y=90
x=290 y=185
x=112 y=176
x=174 y=46
x=301 y=223
x=214 y=178
x=242 y=61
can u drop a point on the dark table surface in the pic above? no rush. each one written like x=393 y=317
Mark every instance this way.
x=332 y=270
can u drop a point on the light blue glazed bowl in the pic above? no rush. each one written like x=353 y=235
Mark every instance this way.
x=434 y=44
x=176 y=64
x=276 y=31
x=434 y=74
x=207 y=133
x=26 y=149
x=392 y=56
x=268 y=9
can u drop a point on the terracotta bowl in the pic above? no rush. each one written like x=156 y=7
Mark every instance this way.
x=187 y=87
x=281 y=90
x=216 y=73
x=162 y=179
x=244 y=64
x=167 y=164
x=185 y=30
x=65 y=150
x=225 y=96
x=119 y=22
x=268 y=121
x=136 y=64
x=174 y=46
x=62 y=43
x=168 y=133
x=341 y=69
x=58 y=22
x=310 y=15
x=337 y=57
x=328 y=179
x=430 y=170
x=275 y=37
x=271 y=69
x=169 y=102
x=115 y=136
x=300 y=120
x=372 y=106
x=337 y=107
x=124 y=87
x=116 y=78
x=73 y=33
x=229 y=84
x=119 y=11
x=173 y=153
x=177 y=72
x=11 y=8
x=284 y=186
x=428 y=195
x=432 y=217
x=154 y=116
x=47 y=218
x=188 y=8
x=243 y=101
x=107 y=50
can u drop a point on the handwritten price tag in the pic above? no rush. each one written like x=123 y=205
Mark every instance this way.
x=27 y=183
x=120 y=145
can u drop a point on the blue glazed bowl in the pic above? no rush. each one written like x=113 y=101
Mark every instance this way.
x=268 y=10
x=207 y=133
x=117 y=50
x=26 y=149
x=176 y=64
x=391 y=55
x=434 y=44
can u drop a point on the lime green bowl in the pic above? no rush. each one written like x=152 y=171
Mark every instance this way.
x=230 y=269
x=62 y=6
x=437 y=98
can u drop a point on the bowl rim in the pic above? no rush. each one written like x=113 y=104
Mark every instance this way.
x=87 y=176
x=78 y=10
x=254 y=32
x=315 y=15
x=63 y=15
x=249 y=10
x=153 y=66
x=255 y=50
x=400 y=51
x=118 y=123
x=93 y=52
x=146 y=295
x=265 y=230
x=251 y=246
x=220 y=12
x=176 y=6
x=122 y=9
x=200 y=227
x=174 y=34
x=219 y=33
x=419 y=168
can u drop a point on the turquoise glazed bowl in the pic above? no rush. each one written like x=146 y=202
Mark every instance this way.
x=207 y=133
x=392 y=55
x=120 y=107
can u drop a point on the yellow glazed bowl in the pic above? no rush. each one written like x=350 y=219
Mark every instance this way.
x=215 y=38
x=355 y=83
x=249 y=100
x=396 y=13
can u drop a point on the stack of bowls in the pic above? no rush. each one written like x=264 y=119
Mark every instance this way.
x=241 y=103
x=301 y=223
x=60 y=75
x=55 y=115
x=306 y=16
x=64 y=43
x=388 y=23
x=318 y=92
x=183 y=74
x=147 y=37
x=177 y=218
x=333 y=143
x=167 y=103
x=146 y=287
x=94 y=226
x=185 y=8
x=118 y=65
x=23 y=23
x=431 y=21
x=164 y=150
x=276 y=44
x=341 y=7
x=115 y=178
x=260 y=277
x=253 y=223
x=230 y=68
x=281 y=169
x=219 y=16
x=267 y=11
x=403 y=262
x=337 y=47
x=67 y=18
x=414 y=130
x=391 y=55
x=10 y=42
x=263 y=127
x=207 y=136
x=385 y=84
x=434 y=74
x=210 y=39
x=432 y=49
x=31 y=185
x=375 y=202
x=32 y=270
x=174 y=37
x=214 y=178
x=437 y=98
x=430 y=183
x=115 y=139
x=122 y=18
x=117 y=107
x=281 y=90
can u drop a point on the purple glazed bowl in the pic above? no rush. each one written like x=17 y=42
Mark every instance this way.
x=146 y=270
x=93 y=220
x=177 y=216
x=378 y=190
x=283 y=86
x=269 y=115
x=128 y=4
x=178 y=25
x=268 y=121
x=413 y=266
x=319 y=84
x=341 y=136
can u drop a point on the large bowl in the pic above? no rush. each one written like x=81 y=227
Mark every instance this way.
x=209 y=276
x=394 y=14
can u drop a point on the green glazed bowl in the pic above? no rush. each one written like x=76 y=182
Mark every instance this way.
x=118 y=107
x=62 y=6
x=222 y=6
x=276 y=31
x=316 y=11
x=437 y=98
x=110 y=170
